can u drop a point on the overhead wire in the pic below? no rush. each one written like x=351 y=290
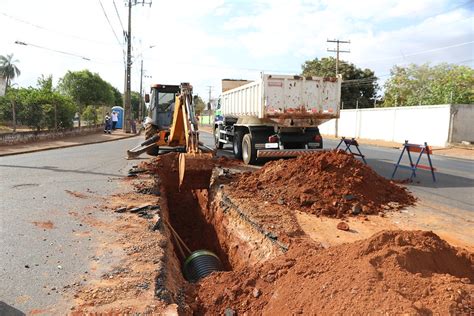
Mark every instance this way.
x=451 y=9
x=110 y=24
x=53 y=50
x=118 y=15
x=54 y=31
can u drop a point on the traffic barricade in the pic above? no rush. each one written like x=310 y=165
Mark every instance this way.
x=349 y=143
x=415 y=148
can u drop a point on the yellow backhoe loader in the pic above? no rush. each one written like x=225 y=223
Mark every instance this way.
x=172 y=126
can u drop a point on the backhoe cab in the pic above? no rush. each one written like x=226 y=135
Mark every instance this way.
x=171 y=125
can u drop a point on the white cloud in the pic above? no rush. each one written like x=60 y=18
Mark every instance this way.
x=205 y=41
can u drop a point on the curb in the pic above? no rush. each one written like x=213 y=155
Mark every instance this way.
x=66 y=146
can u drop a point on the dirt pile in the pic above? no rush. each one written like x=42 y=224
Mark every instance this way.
x=329 y=183
x=394 y=272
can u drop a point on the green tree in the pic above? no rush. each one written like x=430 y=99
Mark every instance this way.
x=86 y=88
x=8 y=69
x=40 y=107
x=358 y=84
x=118 y=100
x=199 y=104
x=135 y=102
x=425 y=84
x=90 y=115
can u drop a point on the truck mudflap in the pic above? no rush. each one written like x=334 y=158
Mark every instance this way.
x=275 y=153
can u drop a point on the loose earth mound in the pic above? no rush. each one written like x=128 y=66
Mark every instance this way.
x=330 y=183
x=393 y=272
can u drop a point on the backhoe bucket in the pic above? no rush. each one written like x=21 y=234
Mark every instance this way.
x=195 y=170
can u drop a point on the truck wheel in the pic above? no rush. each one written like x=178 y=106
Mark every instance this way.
x=249 y=152
x=237 y=145
x=217 y=136
x=150 y=131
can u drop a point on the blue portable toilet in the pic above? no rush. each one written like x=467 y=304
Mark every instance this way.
x=119 y=111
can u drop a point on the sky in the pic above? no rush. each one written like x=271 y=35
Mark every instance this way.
x=204 y=41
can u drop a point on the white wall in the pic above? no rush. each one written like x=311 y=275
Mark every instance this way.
x=462 y=123
x=417 y=124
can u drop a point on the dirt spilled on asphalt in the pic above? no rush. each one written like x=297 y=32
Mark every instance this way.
x=44 y=225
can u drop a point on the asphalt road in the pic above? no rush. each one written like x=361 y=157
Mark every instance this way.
x=454 y=187
x=36 y=260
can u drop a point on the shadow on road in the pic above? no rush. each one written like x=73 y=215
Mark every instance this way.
x=7 y=310
x=56 y=169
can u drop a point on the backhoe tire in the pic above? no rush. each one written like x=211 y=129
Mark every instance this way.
x=237 y=145
x=150 y=131
x=217 y=135
x=249 y=152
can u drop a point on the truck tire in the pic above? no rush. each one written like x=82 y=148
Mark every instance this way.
x=237 y=145
x=150 y=131
x=249 y=152
x=217 y=136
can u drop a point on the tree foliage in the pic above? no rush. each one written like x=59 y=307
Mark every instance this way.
x=425 y=84
x=38 y=108
x=118 y=99
x=358 y=84
x=8 y=69
x=86 y=88
x=135 y=103
x=90 y=115
x=199 y=104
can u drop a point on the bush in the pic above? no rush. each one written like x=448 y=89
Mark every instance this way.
x=90 y=115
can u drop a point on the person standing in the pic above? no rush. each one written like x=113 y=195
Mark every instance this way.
x=108 y=123
x=114 y=120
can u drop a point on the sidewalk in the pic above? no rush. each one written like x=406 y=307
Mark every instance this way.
x=63 y=143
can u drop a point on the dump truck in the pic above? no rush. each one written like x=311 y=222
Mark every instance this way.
x=275 y=116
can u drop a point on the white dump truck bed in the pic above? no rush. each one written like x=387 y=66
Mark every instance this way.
x=282 y=98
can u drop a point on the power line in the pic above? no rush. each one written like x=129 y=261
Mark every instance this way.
x=53 y=50
x=449 y=10
x=54 y=31
x=110 y=24
x=118 y=15
x=418 y=53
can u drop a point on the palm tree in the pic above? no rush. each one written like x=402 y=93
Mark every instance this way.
x=8 y=69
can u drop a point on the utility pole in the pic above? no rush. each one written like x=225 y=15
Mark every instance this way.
x=127 y=107
x=140 y=102
x=209 y=103
x=337 y=51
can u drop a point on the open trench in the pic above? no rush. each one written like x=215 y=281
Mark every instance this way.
x=205 y=219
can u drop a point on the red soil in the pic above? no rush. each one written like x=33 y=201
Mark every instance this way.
x=393 y=272
x=329 y=183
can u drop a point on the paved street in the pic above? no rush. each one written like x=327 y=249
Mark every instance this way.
x=43 y=244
